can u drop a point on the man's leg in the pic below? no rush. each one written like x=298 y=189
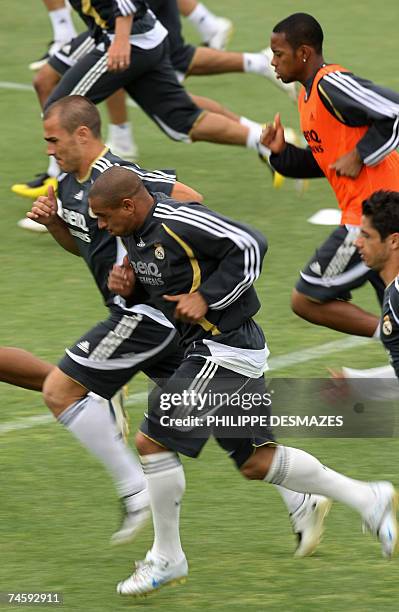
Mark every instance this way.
x=324 y=287
x=22 y=369
x=120 y=134
x=91 y=420
x=215 y=31
x=337 y=314
x=295 y=469
x=63 y=29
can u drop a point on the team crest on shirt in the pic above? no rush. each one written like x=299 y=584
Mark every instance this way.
x=386 y=326
x=159 y=251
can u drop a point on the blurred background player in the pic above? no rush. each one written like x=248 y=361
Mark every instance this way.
x=215 y=31
x=59 y=13
x=351 y=126
x=133 y=53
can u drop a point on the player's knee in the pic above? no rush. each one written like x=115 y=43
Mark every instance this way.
x=43 y=85
x=145 y=446
x=299 y=303
x=258 y=465
x=57 y=392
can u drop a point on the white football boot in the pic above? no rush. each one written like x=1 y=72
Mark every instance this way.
x=220 y=37
x=307 y=523
x=152 y=574
x=132 y=523
x=381 y=518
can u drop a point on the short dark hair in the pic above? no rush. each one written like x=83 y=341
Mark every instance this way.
x=382 y=207
x=115 y=184
x=74 y=111
x=301 y=29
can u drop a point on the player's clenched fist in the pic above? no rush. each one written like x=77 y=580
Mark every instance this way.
x=44 y=209
x=121 y=279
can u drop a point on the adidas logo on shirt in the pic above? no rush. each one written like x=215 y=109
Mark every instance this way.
x=79 y=195
x=315 y=267
x=84 y=346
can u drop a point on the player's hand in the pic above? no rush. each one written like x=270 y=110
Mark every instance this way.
x=121 y=279
x=44 y=209
x=348 y=165
x=272 y=136
x=190 y=307
x=119 y=55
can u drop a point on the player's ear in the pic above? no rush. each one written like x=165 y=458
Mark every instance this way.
x=128 y=205
x=395 y=241
x=83 y=132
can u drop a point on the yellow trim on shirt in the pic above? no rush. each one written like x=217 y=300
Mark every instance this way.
x=89 y=10
x=190 y=254
x=205 y=324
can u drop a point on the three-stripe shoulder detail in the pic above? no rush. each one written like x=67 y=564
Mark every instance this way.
x=219 y=228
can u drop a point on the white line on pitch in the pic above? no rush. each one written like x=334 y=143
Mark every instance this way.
x=16 y=86
x=26 y=87
x=281 y=361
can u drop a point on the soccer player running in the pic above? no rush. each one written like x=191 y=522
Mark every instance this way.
x=138 y=338
x=351 y=126
x=199 y=267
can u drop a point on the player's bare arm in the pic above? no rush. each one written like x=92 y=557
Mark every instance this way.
x=120 y=48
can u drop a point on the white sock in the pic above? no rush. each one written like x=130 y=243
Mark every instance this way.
x=53 y=167
x=256 y=62
x=63 y=28
x=377 y=333
x=91 y=422
x=252 y=124
x=120 y=134
x=204 y=21
x=253 y=137
x=294 y=469
x=166 y=485
x=292 y=499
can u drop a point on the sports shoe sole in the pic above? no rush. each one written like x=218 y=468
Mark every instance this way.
x=323 y=508
x=172 y=583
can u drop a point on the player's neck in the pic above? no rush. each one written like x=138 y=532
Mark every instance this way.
x=390 y=271
x=93 y=151
x=311 y=68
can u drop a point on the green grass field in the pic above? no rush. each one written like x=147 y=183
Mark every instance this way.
x=58 y=507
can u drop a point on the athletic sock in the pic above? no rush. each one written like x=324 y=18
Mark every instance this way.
x=120 y=135
x=292 y=499
x=53 y=169
x=256 y=63
x=63 y=28
x=377 y=333
x=166 y=485
x=254 y=125
x=91 y=422
x=204 y=21
x=294 y=469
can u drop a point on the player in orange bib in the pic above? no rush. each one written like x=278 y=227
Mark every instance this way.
x=352 y=129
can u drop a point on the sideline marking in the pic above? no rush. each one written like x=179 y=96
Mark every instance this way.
x=16 y=86
x=275 y=363
x=26 y=87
